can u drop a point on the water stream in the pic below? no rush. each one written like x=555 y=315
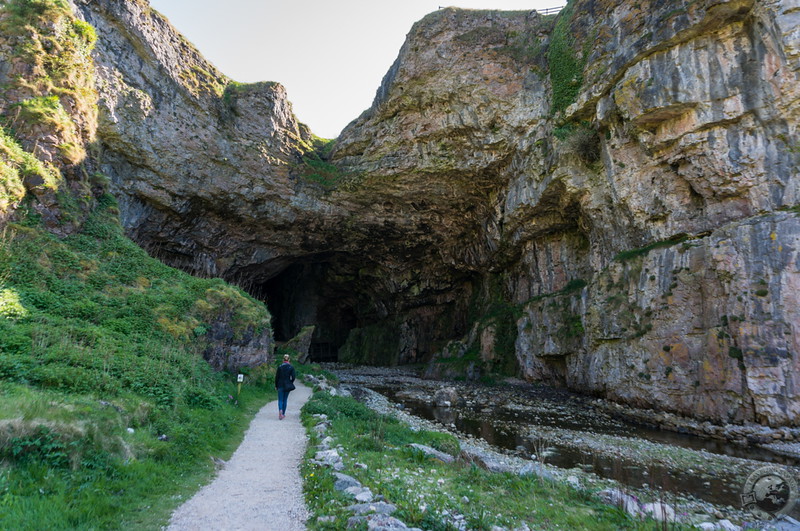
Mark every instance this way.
x=535 y=407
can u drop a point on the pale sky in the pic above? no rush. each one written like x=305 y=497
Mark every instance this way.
x=330 y=55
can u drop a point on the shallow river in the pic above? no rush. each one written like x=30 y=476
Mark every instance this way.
x=511 y=417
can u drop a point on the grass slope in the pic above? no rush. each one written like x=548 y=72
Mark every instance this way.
x=108 y=412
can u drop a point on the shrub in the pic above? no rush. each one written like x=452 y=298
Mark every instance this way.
x=42 y=445
x=585 y=143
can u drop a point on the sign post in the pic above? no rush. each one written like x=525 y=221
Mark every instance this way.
x=239 y=379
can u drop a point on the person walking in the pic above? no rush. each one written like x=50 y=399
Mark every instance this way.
x=284 y=383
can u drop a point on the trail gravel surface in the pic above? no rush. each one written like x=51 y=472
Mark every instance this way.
x=260 y=487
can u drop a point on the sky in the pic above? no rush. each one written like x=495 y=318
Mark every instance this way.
x=330 y=55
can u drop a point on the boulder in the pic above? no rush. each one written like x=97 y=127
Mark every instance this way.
x=375 y=507
x=659 y=511
x=301 y=343
x=329 y=458
x=623 y=500
x=361 y=494
x=486 y=460
x=446 y=397
x=432 y=452
x=538 y=470
x=727 y=525
x=344 y=482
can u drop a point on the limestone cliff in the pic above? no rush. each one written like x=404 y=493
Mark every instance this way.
x=631 y=226
x=604 y=199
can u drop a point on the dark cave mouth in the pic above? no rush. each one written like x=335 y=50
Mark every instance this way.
x=302 y=295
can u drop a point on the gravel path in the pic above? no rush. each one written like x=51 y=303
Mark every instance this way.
x=260 y=487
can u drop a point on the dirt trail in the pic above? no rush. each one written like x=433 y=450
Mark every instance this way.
x=260 y=487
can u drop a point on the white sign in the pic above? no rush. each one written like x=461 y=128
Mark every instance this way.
x=240 y=378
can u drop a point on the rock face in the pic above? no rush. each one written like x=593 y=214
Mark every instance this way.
x=604 y=199
x=301 y=344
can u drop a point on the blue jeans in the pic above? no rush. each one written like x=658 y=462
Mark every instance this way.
x=283 y=394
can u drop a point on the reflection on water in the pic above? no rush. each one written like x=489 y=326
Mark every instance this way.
x=508 y=429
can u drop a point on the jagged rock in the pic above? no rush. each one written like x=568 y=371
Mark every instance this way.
x=344 y=482
x=355 y=521
x=785 y=523
x=381 y=522
x=319 y=383
x=321 y=428
x=432 y=452
x=231 y=349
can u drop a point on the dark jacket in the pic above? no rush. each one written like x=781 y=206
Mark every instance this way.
x=284 y=375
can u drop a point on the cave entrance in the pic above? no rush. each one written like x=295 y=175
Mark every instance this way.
x=303 y=295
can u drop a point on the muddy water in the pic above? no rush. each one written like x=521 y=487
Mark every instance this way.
x=534 y=408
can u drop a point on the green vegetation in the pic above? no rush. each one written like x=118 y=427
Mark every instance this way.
x=60 y=82
x=737 y=354
x=108 y=410
x=234 y=90
x=581 y=139
x=496 y=312
x=566 y=69
x=630 y=254
x=491 y=310
x=24 y=13
x=423 y=488
x=16 y=165
x=316 y=166
x=375 y=344
x=107 y=407
x=45 y=110
x=576 y=284
x=199 y=80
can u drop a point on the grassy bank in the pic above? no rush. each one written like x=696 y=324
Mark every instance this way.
x=429 y=493
x=109 y=415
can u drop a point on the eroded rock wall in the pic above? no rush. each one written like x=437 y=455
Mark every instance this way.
x=605 y=199
x=693 y=111
x=698 y=124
